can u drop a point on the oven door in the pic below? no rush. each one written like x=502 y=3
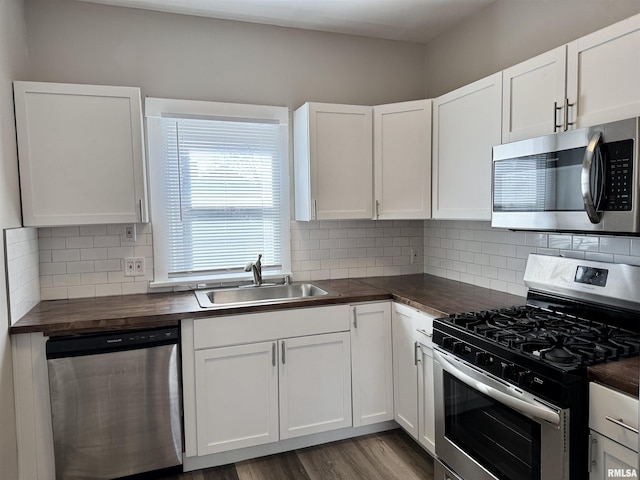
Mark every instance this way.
x=487 y=429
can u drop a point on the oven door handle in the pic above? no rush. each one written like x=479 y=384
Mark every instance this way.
x=511 y=399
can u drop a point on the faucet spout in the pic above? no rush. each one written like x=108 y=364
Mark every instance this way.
x=256 y=270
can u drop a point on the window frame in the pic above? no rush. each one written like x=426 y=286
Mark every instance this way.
x=157 y=109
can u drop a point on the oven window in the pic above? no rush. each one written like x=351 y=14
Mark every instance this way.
x=503 y=441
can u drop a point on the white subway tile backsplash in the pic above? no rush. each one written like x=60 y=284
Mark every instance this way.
x=88 y=261
x=497 y=258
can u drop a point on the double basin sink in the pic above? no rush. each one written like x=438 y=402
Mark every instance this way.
x=246 y=295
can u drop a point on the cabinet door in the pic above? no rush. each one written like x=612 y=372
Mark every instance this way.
x=371 y=363
x=405 y=370
x=603 y=74
x=315 y=384
x=81 y=154
x=236 y=397
x=333 y=151
x=608 y=456
x=531 y=91
x=402 y=160
x=426 y=414
x=466 y=126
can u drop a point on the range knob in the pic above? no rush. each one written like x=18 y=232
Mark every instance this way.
x=447 y=343
x=509 y=371
x=525 y=379
x=483 y=359
x=458 y=348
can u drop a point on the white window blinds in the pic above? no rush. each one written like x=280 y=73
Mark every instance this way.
x=224 y=195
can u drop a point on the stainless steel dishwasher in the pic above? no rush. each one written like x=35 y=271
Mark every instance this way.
x=115 y=403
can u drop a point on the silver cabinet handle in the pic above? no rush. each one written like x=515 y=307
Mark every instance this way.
x=273 y=354
x=315 y=210
x=424 y=332
x=377 y=209
x=355 y=318
x=416 y=346
x=140 y=210
x=585 y=177
x=282 y=347
x=555 y=117
x=621 y=423
x=567 y=124
x=591 y=461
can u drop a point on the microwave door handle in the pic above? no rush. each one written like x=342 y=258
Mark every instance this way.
x=585 y=178
x=508 y=399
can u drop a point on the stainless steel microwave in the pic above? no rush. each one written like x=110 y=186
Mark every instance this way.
x=583 y=180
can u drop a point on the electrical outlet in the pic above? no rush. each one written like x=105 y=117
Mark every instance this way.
x=129 y=267
x=413 y=255
x=134 y=267
x=138 y=266
x=130 y=232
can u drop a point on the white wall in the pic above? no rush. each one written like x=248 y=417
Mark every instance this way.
x=510 y=31
x=181 y=56
x=13 y=58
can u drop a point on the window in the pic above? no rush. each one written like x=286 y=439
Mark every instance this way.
x=219 y=190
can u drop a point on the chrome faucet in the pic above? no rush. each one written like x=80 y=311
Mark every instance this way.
x=256 y=269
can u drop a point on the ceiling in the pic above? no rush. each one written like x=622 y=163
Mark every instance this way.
x=404 y=20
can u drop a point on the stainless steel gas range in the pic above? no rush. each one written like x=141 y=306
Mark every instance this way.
x=511 y=396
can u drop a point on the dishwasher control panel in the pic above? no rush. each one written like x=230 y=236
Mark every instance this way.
x=87 y=344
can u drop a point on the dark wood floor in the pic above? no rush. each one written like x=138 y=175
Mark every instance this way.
x=389 y=455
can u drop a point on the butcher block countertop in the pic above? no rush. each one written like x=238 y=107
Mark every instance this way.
x=621 y=375
x=434 y=295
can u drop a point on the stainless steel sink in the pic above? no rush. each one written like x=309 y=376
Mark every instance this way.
x=250 y=294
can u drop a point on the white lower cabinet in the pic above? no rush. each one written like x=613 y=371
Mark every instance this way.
x=274 y=386
x=405 y=369
x=236 y=397
x=609 y=459
x=413 y=374
x=426 y=413
x=315 y=384
x=613 y=423
x=371 y=363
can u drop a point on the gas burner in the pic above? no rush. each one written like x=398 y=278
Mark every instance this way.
x=561 y=353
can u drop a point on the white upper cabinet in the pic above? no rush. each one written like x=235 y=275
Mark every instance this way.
x=466 y=125
x=590 y=81
x=333 y=161
x=402 y=160
x=534 y=96
x=81 y=154
x=603 y=74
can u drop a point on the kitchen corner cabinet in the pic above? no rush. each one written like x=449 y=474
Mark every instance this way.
x=467 y=123
x=371 y=363
x=333 y=162
x=258 y=378
x=81 y=154
x=603 y=74
x=534 y=96
x=402 y=160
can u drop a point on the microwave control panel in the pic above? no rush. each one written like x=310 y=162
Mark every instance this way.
x=619 y=177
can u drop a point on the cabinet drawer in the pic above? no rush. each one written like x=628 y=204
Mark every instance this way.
x=606 y=406
x=261 y=327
